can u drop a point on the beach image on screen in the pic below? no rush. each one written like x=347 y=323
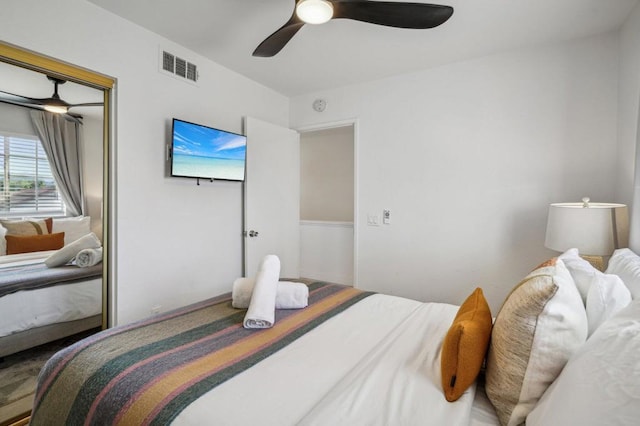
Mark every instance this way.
x=204 y=152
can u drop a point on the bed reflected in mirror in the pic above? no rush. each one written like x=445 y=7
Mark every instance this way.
x=52 y=287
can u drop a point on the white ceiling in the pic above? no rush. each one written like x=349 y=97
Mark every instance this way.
x=343 y=52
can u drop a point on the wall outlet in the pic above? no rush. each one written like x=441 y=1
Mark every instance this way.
x=156 y=309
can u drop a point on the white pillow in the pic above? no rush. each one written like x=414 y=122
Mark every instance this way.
x=626 y=264
x=540 y=325
x=582 y=271
x=3 y=241
x=607 y=295
x=599 y=384
x=73 y=227
x=602 y=294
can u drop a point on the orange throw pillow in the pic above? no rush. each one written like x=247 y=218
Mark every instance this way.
x=465 y=345
x=27 y=244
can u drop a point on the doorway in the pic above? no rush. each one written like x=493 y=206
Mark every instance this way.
x=328 y=203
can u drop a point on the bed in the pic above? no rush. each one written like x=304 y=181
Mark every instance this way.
x=40 y=304
x=353 y=357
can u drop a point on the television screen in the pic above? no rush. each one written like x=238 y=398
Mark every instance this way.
x=204 y=152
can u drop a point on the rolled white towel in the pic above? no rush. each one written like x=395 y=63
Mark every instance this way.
x=262 y=308
x=292 y=295
x=289 y=295
x=68 y=252
x=89 y=257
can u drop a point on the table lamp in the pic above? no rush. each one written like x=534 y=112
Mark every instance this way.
x=595 y=229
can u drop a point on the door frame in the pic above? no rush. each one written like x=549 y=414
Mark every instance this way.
x=42 y=63
x=332 y=125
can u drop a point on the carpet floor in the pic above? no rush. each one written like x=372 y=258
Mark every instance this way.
x=18 y=374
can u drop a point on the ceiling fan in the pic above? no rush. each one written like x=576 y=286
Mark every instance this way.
x=52 y=104
x=388 y=13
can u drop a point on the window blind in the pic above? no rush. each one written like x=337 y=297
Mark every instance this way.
x=27 y=183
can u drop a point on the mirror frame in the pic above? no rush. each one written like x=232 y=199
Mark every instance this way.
x=37 y=62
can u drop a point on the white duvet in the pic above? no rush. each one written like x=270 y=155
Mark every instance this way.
x=23 y=259
x=377 y=363
x=24 y=310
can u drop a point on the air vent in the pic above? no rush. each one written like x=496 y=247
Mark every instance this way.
x=181 y=67
x=192 y=72
x=167 y=61
x=178 y=67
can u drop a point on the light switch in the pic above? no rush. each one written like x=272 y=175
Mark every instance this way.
x=373 y=220
x=386 y=217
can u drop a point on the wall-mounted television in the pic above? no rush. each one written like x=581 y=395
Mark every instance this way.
x=199 y=151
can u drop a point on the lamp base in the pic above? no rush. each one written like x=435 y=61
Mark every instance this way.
x=596 y=261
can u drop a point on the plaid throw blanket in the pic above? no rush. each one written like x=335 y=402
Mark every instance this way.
x=148 y=372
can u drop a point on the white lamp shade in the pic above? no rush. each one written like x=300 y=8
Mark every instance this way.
x=597 y=229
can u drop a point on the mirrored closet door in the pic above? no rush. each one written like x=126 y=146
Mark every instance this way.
x=54 y=181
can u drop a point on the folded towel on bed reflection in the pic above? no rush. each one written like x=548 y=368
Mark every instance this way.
x=262 y=308
x=68 y=252
x=289 y=295
x=89 y=257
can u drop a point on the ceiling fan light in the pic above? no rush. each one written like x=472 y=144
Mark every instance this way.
x=58 y=109
x=314 y=11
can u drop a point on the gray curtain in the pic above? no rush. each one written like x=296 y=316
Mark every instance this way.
x=61 y=139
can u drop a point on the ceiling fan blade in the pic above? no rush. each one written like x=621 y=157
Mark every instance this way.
x=87 y=104
x=11 y=97
x=393 y=14
x=20 y=103
x=74 y=117
x=276 y=41
x=25 y=100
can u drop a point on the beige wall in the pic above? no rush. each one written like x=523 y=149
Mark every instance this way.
x=326 y=175
x=628 y=154
x=468 y=156
x=93 y=157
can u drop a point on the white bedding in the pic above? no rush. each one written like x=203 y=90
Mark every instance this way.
x=377 y=363
x=24 y=310
x=482 y=412
x=23 y=259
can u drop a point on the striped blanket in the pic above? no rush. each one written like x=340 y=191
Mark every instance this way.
x=148 y=372
x=32 y=277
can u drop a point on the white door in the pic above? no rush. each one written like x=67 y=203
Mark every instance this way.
x=272 y=197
